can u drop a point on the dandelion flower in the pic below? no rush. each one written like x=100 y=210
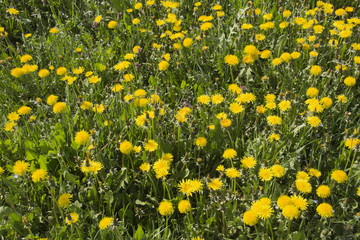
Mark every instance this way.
x=59 y=107
x=163 y=65
x=350 y=143
x=126 y=147
x=53 y=30
x=112 y=24
x=25 y=58
x=229 y=153
x=350 y=81
x=44 y=73
x=215 y=184
x=303 y=186
x=39 y=174
x=105 y=222
x=278 y=170
x=248 y=162
x=283 y=201
x=17 y=72
x=274 y=120
x=325 y=210
x=323 y=191
x=73 y=218
x=284 y=105
x=97 y=19
x=13 y=116
x=201 y=142
x=82 y=137
x=85 y=105
x=339 y=176
x=21 y=167
x=161 y=168
x=52 y=99
x=61 y=71
x=203 y=99
x=250 y=218
x=166 y=208
x=225 y=122
x=187 y=42
x=184 y=206
x=232 y=172
x=264 y=211
x=290 y=212
x=315 y=70
x=24 y=110
x=312 y=92
x=145 y=167
x=314 y=172
x=206 y=26
x=314 y=121
x=64 y=199
x=151 y=146
x=299 y=202
x=265 y=174
x=302 y=175
x=217 y=99
x=9 y=126
x=231 y=60
x=13 y=11
x=94 y=79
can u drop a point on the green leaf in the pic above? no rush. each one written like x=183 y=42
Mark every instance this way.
x=139 y=234
x=30 y=155
x=42 y=162
x=109 y=197
x=70 y=177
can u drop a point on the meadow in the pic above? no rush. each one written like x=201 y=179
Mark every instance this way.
x=149 y=119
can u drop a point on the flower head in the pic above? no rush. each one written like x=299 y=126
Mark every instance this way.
x=231 y=60
x=163 y=65
x=232 y=172
x=250 y=218
x=64 y=199
x=72 y=218
x=166 y=208
x=215 y=184
x=105 y=222
x=248 y=162
x=314 y=121
x=325 y=210
x=184 y=206
x=39 y=174
x=24 y=110
x=82 y=137
x=229 y=153
x=21 y=167
x=290 y=212
x=339 y=176
x=265 y=174
x=323 y=191
x=59 y=107
x=13 y=11
x=126 y=147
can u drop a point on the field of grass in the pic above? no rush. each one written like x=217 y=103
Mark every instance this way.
x=126 y=119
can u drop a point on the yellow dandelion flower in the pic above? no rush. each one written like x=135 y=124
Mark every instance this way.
x=166 y=208
x=265 y=174
x=64 y=200
x=184 y=206
x=325 y=210
x=106 y=222
x=39 y=174
x=21 y=167
x=339 y=176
